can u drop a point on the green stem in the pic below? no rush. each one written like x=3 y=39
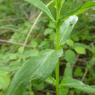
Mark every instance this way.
x=57 y=66
x=57 y=45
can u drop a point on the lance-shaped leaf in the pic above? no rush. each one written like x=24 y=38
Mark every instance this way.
x=85 y=7
x=67 y=75
x=39 y=67
x=67 y=72
x=76 y=84
x=81 y=9
x=66 y=28
x=39 y=4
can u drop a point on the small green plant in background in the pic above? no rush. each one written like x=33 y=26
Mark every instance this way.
x=39 y=65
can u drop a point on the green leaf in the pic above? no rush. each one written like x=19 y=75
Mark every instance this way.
x=76 y=84
x=70 y=56
x=66 y=28
x=85 y=7
x=80 y=49
x=39 y=4
x=70 y=43
x=4 y=80
x=67 y=75
x=63 y=91
x=81 y=9
x=39 y=67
